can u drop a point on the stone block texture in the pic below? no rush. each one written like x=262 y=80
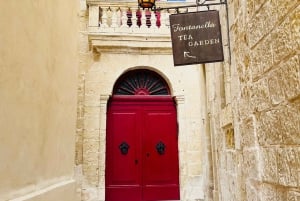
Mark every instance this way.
x=265 y=104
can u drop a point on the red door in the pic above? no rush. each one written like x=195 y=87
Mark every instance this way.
x=141 y=149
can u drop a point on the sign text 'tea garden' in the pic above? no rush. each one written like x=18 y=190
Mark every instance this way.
x=196 y=38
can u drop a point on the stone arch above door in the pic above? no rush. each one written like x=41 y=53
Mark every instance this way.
x=141 y=82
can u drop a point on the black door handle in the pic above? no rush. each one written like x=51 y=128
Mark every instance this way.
x=124 y=148
x=160 y=147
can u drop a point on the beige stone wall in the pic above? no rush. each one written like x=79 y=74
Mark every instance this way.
x=38 y=79
x=186 y=86
x=104 y=57
x=255 y=135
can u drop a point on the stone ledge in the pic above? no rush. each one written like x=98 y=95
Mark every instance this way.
x=134 y=44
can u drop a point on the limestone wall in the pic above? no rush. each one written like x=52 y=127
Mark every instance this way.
x=185 y=85
x=38 y=79
x=255 y=122
x=104 y=57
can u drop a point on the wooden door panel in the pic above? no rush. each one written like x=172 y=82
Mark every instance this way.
x=158 y=130
x=160 y=169
x=124 y=132
x=123 y=174
x=159 y=193
x=123 y=193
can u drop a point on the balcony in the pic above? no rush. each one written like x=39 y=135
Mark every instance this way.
x=121 y=25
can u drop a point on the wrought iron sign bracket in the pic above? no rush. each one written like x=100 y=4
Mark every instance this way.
x=207 y=4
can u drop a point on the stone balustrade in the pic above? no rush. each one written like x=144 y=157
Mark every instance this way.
x=125 y=17
x=120 y=26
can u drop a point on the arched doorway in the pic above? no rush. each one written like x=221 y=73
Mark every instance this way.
x=142 y=140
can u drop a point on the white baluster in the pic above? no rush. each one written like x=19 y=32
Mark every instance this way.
x=143 y=20
x=167 y=21
x=104 y=18
x=124 y=18
x=134 y=19
x=114 y=18
x=109 y=17
x=153 y=20
x=164 y=22
x=163 y=19
x=118 y=17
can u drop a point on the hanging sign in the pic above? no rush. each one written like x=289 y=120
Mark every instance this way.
x=196 y=38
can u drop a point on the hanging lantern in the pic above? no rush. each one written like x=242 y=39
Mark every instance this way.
x=146 y=4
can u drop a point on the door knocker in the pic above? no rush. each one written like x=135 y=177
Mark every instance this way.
x=160 y=147
x=124 y=148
